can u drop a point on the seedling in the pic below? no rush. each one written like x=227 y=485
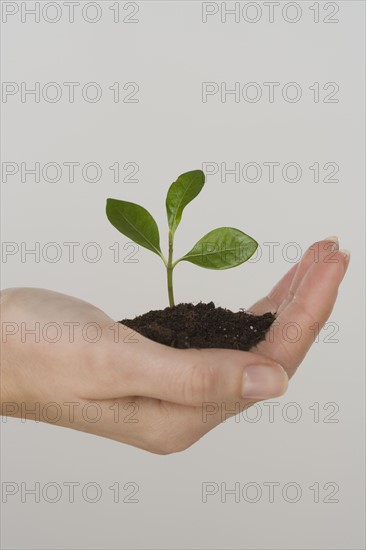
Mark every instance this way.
x=221 y=248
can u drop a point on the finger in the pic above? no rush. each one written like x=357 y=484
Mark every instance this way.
x=274 y=299
x=317 y=252
x=286 y=287
x=213 y=413
x=190 y=377
x=295 y=329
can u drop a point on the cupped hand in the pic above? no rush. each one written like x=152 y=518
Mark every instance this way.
x=66 y=362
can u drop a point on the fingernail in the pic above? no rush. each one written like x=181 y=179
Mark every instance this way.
x=346 y=255
x=334 y=239
x=263 y=381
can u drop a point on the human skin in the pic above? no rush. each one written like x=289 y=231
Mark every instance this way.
x=160 y=393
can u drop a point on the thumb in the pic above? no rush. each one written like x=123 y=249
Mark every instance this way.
x=192 y=376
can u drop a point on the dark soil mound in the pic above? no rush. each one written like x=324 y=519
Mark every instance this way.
x=202 y=326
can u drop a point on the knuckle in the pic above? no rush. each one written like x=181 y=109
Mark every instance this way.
x=176 y=444
x=171 y=447
x=171 y=434
x=200 y=383
x=164 y=443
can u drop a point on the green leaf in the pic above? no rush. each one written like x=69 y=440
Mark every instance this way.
x=222 y=248
x=181 y=193
x=135 y=222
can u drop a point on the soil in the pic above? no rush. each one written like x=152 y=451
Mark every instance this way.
x=202 y=326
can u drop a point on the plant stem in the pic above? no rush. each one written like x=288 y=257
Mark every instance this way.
x=170 y=286
x=169 y=269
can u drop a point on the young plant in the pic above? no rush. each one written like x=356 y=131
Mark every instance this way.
x=221 y=248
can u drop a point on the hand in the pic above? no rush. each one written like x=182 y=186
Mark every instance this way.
x=128 y=388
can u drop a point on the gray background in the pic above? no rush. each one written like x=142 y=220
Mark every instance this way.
x=169 y=53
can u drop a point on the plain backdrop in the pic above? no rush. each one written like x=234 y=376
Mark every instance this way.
x=168 y=54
